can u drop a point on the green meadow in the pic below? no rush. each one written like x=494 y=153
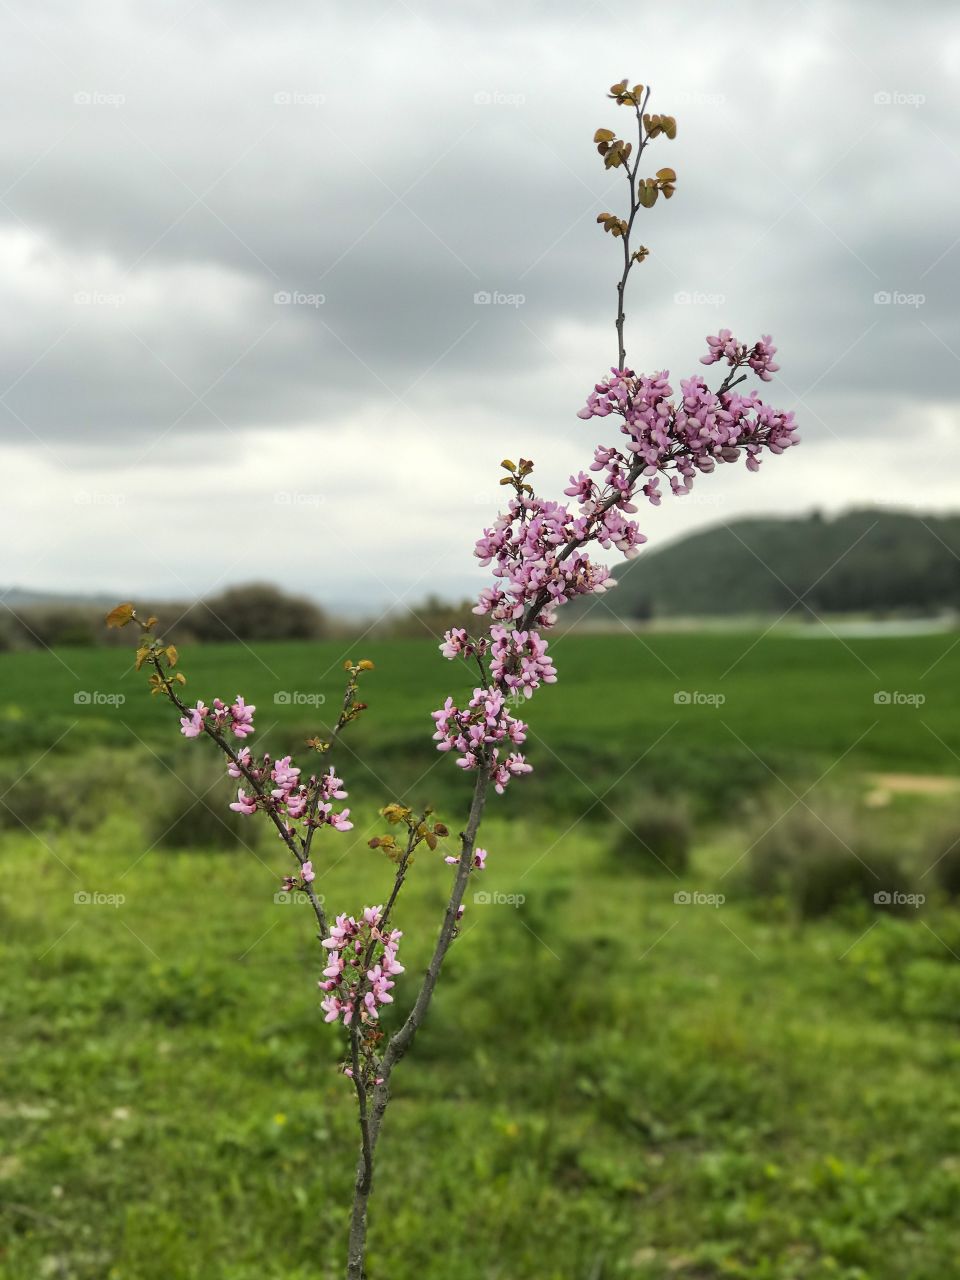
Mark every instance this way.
x=629 y=1071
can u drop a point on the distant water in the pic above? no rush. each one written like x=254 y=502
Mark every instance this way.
x=848 y=628
x=868 y=628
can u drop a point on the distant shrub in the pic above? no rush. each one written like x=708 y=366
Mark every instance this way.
x=192 y=812
x=653 y=835
x=76 y=793
x=52 y=626
x=181 y=809
x=819 y=862
x=257 y=611
x=943 y=856
x=428 y=620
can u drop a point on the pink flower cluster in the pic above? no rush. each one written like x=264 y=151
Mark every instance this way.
x=238 y=718
x=518 y=659
x=724 y=346
x=536 y=547
x=290 y=797
x=361 y=955
x=457 y=643
x=681 y=437
x=477 y=731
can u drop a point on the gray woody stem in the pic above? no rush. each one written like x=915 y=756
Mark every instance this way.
x=400 y=1042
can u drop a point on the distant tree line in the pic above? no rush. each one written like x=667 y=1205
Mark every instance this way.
x=868 y=561
x=252 y=612
x=256 y=611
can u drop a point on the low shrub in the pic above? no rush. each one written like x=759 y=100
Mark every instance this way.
x=943 y=857
x=818 y=862
x=75 y=792
x=653 y=835
x=194 y=809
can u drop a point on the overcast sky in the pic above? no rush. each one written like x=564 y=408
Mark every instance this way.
x=240 y=245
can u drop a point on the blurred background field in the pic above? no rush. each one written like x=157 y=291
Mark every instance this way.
x=705 y=1026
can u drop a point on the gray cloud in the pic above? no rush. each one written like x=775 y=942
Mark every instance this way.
x=170 y=174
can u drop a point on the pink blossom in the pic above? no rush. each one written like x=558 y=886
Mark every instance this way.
x=349 y=941
x=191 y=725
x=242 y=718
x=244 y=804
x=243 y=756
x=331 y=1007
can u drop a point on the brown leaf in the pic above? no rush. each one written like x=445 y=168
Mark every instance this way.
x=120 y=616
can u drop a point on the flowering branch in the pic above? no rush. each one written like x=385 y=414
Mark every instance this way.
x=537 y=551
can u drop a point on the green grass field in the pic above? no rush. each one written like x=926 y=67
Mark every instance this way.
x=785 y=698
x=610 y=1084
